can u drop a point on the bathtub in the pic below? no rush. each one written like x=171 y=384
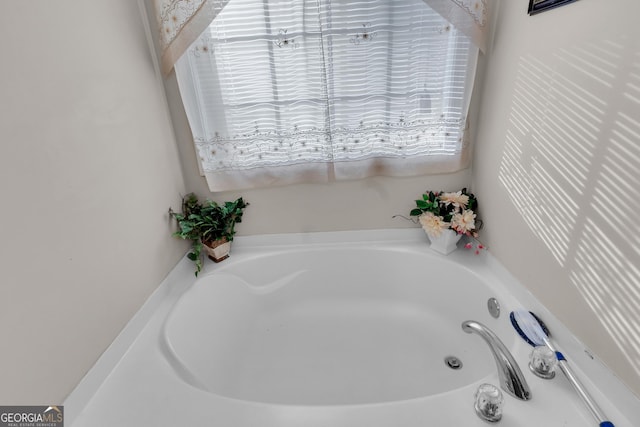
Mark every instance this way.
x=331 y=326
x=330 y=329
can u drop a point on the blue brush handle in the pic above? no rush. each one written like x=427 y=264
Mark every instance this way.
x=586 y=398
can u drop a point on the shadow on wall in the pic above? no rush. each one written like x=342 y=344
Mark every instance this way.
x=571 y=167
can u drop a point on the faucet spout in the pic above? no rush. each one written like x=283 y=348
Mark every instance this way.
x=511 y=379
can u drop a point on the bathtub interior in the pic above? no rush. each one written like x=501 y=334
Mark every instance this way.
x=344 y=326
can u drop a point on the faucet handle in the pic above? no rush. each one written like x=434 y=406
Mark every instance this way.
x=543 y=362
x=489 y=403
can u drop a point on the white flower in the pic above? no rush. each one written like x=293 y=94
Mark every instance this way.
x=464 y=222
x=432 y=224
x=456 y=199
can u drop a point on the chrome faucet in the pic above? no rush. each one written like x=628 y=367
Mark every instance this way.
x=511 y=379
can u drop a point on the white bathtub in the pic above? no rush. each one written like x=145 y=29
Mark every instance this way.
x=331 y=326
x=329 y=329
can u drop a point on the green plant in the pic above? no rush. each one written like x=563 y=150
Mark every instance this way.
x=205 y=222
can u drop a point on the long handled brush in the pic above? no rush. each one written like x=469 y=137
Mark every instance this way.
x=533 y=331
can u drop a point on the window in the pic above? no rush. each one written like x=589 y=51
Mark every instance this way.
x=284 y=91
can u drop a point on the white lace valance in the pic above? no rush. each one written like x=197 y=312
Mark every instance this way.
x=181 y=22
x=468 y=16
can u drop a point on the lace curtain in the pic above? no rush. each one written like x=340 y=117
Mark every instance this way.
x=280 y=91
x=468 y=16
x=181 y=22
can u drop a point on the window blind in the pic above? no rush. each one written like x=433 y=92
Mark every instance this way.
x=281 y=91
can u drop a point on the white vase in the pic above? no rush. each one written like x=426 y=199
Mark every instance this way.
x=446 y=242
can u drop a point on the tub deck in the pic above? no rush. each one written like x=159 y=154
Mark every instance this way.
x=147 y=379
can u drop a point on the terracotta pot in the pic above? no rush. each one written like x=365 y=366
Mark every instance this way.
x=217 y=250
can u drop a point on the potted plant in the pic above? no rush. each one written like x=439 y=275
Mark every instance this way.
x=208 y=225
x=446 y=217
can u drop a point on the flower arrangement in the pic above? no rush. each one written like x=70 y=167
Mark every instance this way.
x=439 y=211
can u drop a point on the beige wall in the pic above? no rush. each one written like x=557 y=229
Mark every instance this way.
x=557 y=167
x=88 y=169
